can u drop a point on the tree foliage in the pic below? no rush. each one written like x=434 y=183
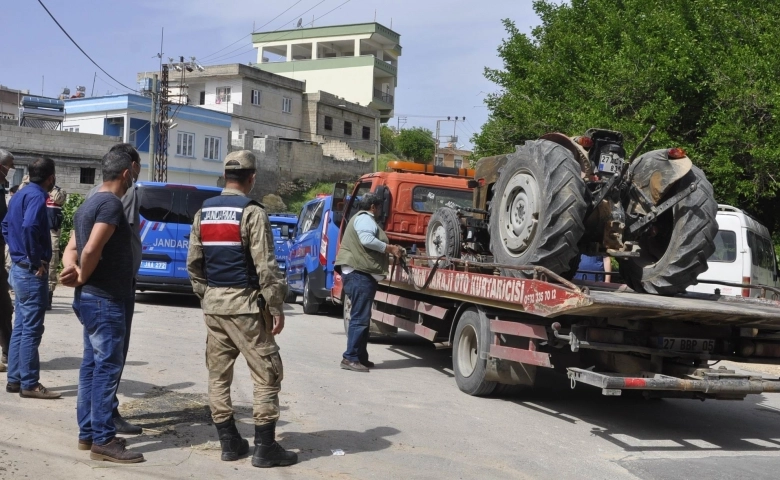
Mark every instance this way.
x=416 y=144
x=706 y=72
x=387 y=140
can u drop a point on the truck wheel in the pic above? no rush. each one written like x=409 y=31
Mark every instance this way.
x=311 y=304
x=683 y=239
x=538 y=208
x=471 y=338
x=443 y=236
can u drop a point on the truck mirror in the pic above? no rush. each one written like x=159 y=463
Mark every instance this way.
x=339 y=202
x=384 y=210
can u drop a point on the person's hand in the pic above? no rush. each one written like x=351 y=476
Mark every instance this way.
x=70 y=276
x=278 y=324
x=394 y=250
x=42 y=270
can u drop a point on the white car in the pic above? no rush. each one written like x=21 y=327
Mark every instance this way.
x=744 y=253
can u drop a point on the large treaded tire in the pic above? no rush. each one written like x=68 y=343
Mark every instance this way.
x=443 y=236
x=670 y=262
x=559 y=209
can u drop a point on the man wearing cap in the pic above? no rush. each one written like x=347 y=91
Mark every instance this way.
x=54 y=211
x=233 y=270
x=362 y=262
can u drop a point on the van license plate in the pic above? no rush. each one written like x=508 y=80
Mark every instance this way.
x=154 y=265
x=695 y=345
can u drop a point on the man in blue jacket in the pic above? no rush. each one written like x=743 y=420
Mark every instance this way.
x=26 y=231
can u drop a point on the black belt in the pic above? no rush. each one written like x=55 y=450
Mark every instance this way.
x=26 y=266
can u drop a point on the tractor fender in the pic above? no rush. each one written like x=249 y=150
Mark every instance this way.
x=654 y=172
x=580 y=154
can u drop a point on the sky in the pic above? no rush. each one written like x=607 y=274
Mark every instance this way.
x=446 y=45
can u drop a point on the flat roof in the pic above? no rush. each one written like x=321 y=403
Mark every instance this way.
x=329 y=31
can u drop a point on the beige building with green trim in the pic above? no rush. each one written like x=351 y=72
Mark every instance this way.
x=357 y=62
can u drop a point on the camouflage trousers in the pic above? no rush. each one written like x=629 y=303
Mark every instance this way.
x=249 y=335
x=55 y=259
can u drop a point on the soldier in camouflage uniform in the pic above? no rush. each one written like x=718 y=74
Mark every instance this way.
x=54 y=210
x=233 y=270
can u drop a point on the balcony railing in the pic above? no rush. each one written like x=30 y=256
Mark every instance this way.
x=385 y=97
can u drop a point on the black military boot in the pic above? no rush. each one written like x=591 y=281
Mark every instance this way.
x=268 y=453
x=233 y=446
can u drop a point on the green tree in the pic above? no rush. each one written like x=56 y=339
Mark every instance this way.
x=416 y=144
x=706 y=72
x=387 y=140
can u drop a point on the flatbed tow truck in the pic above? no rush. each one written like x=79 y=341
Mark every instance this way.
x=503 y=328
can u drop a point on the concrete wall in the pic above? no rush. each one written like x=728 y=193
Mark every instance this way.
x=71 y=152
x=280 y=161
x=321 y=104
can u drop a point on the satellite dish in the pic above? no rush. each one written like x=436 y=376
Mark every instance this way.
x=300 y=23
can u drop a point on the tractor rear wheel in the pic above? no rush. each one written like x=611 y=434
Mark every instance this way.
x=675 y=250
x=538 y=207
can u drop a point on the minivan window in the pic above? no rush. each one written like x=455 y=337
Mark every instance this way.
x=160 y=204
x=761 y=252
x=194 y=201
x=725 y=247
x=157 y=204
x=284 y=228
x=311 y=217
x=428 y=199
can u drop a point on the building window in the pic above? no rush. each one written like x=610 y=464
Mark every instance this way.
x=286 y=105
x=328 y=123
x=211 y=149
x=458 y=162
x=439 y=160
x=184 y=143
x=347 y=128
x=72 y=128
x=223 y=95
x=202 y=99
x=366 y=133
x=256 y=97
x=87 y=176
x=132 y=136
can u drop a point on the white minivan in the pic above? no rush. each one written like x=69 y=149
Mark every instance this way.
x=743 y=254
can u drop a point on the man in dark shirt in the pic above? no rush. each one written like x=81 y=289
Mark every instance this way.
x=6 y=307
x=103 y=281
x=26 y=231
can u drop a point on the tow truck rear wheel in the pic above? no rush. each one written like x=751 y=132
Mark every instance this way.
x=443 y=236
x=538 y=207
x=311 y=304
x=471 y=338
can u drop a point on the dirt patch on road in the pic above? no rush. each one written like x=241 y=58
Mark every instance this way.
x=162 y=409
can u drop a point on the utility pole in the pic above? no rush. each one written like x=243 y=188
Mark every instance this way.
x=153 y=128
x=378 y=139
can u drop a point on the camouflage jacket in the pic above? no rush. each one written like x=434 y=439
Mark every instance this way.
x=256 y=233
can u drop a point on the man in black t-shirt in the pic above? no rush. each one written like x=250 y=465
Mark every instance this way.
x=103 y=279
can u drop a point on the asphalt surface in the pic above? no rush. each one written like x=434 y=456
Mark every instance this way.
x=404 y=419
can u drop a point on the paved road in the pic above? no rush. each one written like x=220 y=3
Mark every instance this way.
x=405 y=419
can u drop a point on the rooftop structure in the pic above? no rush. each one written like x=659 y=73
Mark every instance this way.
x=358 y=62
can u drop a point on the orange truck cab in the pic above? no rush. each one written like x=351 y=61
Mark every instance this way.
x=410 y=193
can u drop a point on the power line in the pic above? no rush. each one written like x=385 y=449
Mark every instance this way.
x=222 y=57
x=82 y=50
x=253 y=30
x=291 y=31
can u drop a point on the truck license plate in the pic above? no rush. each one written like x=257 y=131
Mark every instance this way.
x=154 y=265
x=695 y=345
x=609 y=163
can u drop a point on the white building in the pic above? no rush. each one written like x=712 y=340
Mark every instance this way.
x=357 y=62
x=197 y=143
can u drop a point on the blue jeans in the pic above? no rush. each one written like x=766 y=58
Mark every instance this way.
x=360 y=288
x=32 y=296
x=104 y=339
x=129 y=309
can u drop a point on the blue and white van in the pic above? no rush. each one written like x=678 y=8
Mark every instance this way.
x=167 y=211
x=313 y=254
